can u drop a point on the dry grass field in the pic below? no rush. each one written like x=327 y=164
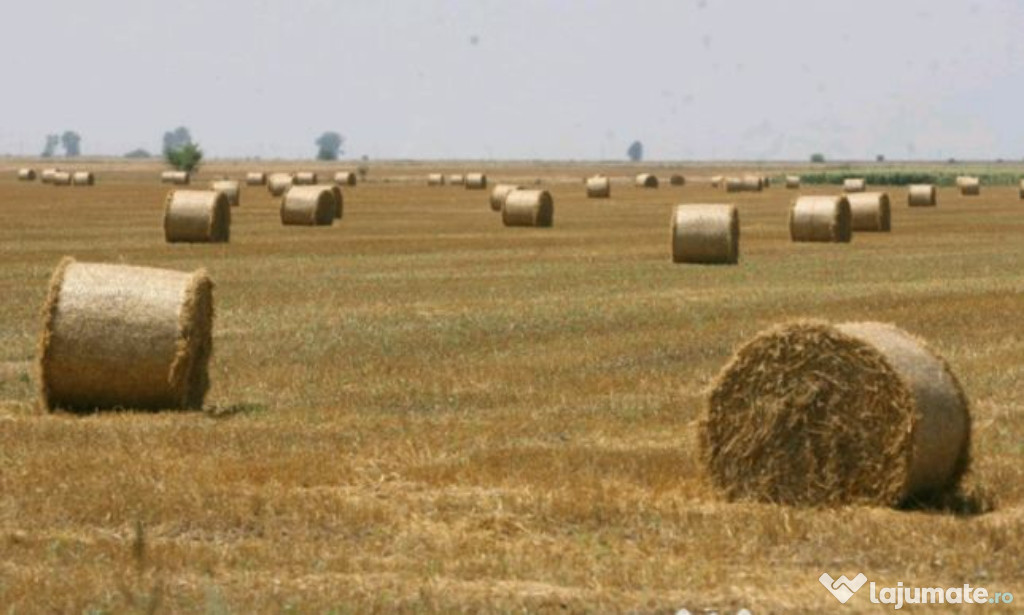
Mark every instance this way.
x=419 y=410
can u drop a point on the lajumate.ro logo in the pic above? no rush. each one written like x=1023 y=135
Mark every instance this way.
x=844 y=588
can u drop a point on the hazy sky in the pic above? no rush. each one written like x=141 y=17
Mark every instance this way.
x=691 y=79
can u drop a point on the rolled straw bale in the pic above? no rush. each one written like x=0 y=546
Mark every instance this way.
x=309 y=206
x=820 y=218
x=46 y=176
x=734 y=184
x=970 y=186
x=677 y=180
x=256 y=178
x=26 y=175
x=766 y=181
x=61 y=178
x=599 y=187
x=279 y=183
x=197 y=216
x=716 y=181
x=305 y=178
x=922 y=195
x=1021 y=189
x=116 y=336
x=345 y=178
x=752 y=183
x=792 y=182
x=811 y=413
x=457 y=180
x=870 y=211
x=528 y=208
x=231 y=188
x=646 y=180
x=499 y=193
x=705 y=234
x=435 y=179
x=476 y=181
x=339 y=201
x=83 y=178
x=178 y=178
x=854 y=184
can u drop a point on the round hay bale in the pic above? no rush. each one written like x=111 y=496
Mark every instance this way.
x=339 y=202
x=435 y=179
x=197 y=216
x=345 y=178
x=677 y=180
x=716 y=181
x=26 y=175
x=705 y=234
x=46 y=176
x=970 y=186
x=734 y=184
x=820 y=218
x=792 y=182
x=810 y=413
x=528 y=208
x=116 y=336
x=457 y=180
x=476 y=181
x=499 y=193
x=305 y=178
x=870 y=211
x=83 y=178
x=599 y=187
x=309 y=206
x=256 y=178
x=646 y=180
x=922 y=195
x=766 y=181
x=1021 y=191
x=231 y=188
x=279 y=183
x=61 y=178
x=854 y=184
x=752 y=183
x=178 y=178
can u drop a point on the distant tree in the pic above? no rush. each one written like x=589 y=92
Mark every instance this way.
x=185 y=158
x=818 y=158
x=177 y=138
x=329 y=145
x=635 y=151
x=138 y=153
x=72 y=143
x=880 y=158
x=52 y=141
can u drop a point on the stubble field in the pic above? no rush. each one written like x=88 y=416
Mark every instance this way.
x=419 y=410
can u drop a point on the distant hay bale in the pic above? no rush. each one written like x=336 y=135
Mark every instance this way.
x=83 y=178
x=528 y=208
x=810 y=413
x=677 y=180
x=178 y=178
x=970 y=186
x=26 y=175
x=820 y=218
x=599 y=187
x=870 y=211
x=345 y=178
x=752 y=183
x=476 y=181
x=61 y=178
x=922 y=195
x=435 y=179
x=705 y=234
x=256 y=178
x=792 y=182
x=279 y=183
x=1021 y=190
x=197 y=216
x=309 y=206
x=646 y=180
x=734 y=184
x=231 y=188
x=457 y=180
x=716 y=181
x=305 y=178
x=854 y=184
x=766 y=181
x=116 y=336
x=499 y=193
x=46 y=176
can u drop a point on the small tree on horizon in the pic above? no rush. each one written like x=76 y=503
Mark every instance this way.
x=818 y=158
x=52 y=141
x=329 y=144
x=72 y=143
x=185 y=158
x=635 y=151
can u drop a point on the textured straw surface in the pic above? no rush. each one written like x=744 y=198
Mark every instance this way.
x=528 y=208
x=970 y=186
x=116 y=336
x=854 y=184
x=646 y=180
x=870 y=211
x=599 y=187
x=279 y=183
x=197 y=216
x=309 y=206
x=231 y=188
x=792 y=182
x=922 y=195
x=705 y=234
x=345 y=178
x=305 y=178
x=457 y=180
x=255 y=178
x=435 y=179
x=813 y=414
x=820 y=218
x=499 y=193
x=26 y=175
x=677 y=180
x=61 y=178
x=476 y=181
x=178 y=178
x=83 y=178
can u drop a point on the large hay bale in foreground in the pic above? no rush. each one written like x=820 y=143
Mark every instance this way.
x=599 y=187
x=970 y=186
x=116 y=336
x=705 y=234
x=279 y=183
x=309 y=206
x=854 y=184
x=197 y=216
x=646 y=180
x=61 y=178
x=528 y=208
x=752 y=183
x=83 y=178
x=231 y=188
x=820 y=218
x=256 y=178
x=178 y=178
x=345 y=178
x=476 y=181
x=870 y=211
x=500 y=192
x=792 y=182
x=810 y=413
x=922 y=195
x=733 y=184
x=677 y=180
x=457 y=179
x=306 y=178
x=46 y=176
x=435 y=179
x=26 y=175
